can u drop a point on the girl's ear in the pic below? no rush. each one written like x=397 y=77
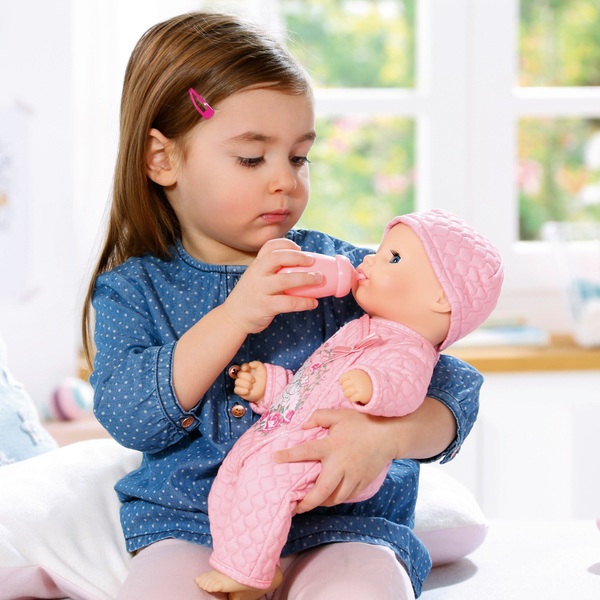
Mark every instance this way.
x=159 y=159
x=442 y=305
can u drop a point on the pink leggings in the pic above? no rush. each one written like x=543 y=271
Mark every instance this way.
x=333 y=572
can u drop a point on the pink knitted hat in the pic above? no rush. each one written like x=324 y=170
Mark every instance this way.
x=468 y=266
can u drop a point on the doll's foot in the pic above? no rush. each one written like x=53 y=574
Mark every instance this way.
x=215 y=581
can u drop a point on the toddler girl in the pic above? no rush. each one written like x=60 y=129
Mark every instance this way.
x=217 y=120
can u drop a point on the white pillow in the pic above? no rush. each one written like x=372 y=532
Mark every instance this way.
x=60 y=530
x=448 y=519
x=59 y=521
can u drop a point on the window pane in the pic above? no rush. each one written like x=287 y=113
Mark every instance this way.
x=354 y=43
x=361 y=176
x=560 y=43
x=558 y=172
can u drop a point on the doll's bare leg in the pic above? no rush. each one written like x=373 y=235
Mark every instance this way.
x=215 y=581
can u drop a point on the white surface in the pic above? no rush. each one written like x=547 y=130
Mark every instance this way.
x=550 y=560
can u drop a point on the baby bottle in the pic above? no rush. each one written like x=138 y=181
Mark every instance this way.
x=339 y=276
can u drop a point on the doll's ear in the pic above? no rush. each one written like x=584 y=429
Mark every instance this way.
x=441 y=305
x=159 y=159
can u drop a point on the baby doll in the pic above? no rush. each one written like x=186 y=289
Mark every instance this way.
x=433 y=280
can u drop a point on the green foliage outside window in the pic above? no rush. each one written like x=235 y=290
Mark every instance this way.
x=361 y=176
x=559 y=159
x=354 y=43
x=558 y=173
x=361 y=168
x=560 y=45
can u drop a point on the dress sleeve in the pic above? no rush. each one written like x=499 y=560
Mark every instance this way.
x=457 y=385
x=134 y=398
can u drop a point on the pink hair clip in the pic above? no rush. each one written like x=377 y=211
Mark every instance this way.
x=201 y=105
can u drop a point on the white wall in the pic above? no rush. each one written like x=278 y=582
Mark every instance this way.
x=38 y=322
x=64 y=62
x=534 y=450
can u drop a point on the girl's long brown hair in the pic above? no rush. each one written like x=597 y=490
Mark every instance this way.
x=216 y=54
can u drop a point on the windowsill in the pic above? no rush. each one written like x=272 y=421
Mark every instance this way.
x=561 y=355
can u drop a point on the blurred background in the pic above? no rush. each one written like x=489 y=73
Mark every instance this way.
x=490 y=109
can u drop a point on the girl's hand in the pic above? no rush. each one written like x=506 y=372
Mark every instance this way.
x=358 y=446
x=252 y=304
x=259 y=295
x=353 y=453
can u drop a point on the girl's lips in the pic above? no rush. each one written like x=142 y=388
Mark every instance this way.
x=276 y=217
x=360 y=276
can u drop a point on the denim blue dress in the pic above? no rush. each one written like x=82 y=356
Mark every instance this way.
x=143 y=307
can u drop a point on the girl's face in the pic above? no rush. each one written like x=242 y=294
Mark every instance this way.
x=243 y=177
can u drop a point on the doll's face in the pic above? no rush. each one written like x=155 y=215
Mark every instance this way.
x=399 y=282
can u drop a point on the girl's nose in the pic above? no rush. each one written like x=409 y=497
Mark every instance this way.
x=284 y=181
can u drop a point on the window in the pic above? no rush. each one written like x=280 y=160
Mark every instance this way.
x=505 y=117
x=363 y=162
x=482 y=107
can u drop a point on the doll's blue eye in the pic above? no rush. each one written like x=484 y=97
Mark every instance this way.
x=396 y=258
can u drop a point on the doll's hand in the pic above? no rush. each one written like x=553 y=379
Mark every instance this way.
x=357 y=386
x=259 y=295
x=355 y=450
x=251 y=381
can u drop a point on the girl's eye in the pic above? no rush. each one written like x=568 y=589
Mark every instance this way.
x=396 y=258
x=299 y=161
x=250 y=162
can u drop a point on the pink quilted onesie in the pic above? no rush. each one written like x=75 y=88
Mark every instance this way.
x=252 y=499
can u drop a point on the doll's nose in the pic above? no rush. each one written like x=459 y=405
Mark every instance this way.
x=368 y=259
